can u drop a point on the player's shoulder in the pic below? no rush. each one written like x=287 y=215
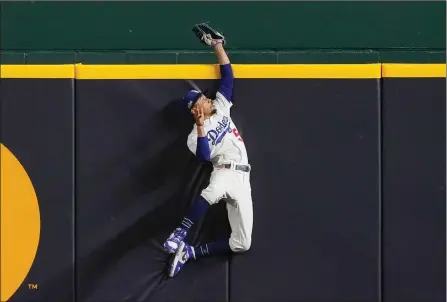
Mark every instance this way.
x=221 y=112
x=221 y=97
x=221 y=102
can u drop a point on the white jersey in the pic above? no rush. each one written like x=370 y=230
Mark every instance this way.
x=226 y=145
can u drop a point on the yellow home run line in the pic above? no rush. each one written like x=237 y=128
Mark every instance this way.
x=390 y=70
x=209 y=71
x=37 y=71
x=252 y=71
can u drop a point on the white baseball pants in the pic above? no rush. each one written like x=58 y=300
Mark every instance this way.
x=234 y=188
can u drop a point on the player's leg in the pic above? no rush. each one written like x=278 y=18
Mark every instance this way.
x=214 y=248
x=240 y=216
x=215 y=191
x=209 y=196
x=187 y=252
x=195 y=212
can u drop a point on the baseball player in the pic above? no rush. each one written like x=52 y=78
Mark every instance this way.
x=215 y=138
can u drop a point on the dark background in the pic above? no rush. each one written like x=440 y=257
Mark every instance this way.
x=37 y=126
x=348 y=188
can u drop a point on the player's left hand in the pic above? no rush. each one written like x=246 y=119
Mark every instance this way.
x=208 y=35
x=198 y=115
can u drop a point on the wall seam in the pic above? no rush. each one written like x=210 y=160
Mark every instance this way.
x=380 y=186
x=74 y=183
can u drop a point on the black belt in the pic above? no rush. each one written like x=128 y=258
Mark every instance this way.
x=245 y=168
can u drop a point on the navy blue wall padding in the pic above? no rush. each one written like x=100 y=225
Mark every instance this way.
x=348 y=185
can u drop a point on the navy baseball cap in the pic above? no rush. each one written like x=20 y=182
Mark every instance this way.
x=191 y=98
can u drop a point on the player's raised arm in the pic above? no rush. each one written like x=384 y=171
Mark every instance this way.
x=209 y=36
x=226 y=71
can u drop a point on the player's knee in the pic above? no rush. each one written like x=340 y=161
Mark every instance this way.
x=206 y=199
x=212 y=194
x=240 y=246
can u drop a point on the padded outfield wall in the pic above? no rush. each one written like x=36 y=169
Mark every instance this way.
x=348 y=183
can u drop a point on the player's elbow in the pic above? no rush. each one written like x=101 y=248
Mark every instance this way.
x=227 y=81
x=203 y=157
x=226 y=72
x=240 y=246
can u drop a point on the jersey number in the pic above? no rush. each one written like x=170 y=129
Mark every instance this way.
x=237 y=134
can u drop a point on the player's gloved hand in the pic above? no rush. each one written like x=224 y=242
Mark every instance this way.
x=198 y=116
x=207 y=39
x=210 y=41
x=208 y=35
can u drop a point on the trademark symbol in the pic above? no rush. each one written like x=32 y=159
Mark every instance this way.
x=32 y=286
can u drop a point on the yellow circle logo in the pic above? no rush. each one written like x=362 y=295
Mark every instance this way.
x=20 y=224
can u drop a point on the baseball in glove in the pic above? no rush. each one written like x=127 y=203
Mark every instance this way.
x=206 y=34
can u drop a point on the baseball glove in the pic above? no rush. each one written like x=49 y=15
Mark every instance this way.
x=206 y=34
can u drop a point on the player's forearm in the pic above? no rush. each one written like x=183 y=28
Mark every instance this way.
x=222 y=56
x=226 y=72
x=203 y=152
x=200 y=131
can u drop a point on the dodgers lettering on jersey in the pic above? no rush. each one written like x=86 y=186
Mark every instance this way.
x=226 y=145
x=216 y=135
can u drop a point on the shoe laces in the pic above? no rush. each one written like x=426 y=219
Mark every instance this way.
x=187 y=253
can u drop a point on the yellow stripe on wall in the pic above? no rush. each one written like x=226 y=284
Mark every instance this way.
x=390 y=70
x=37 y=71
x=242 y=71
x=94 y=72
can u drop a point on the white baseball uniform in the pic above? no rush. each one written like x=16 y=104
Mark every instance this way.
x=233 y=186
